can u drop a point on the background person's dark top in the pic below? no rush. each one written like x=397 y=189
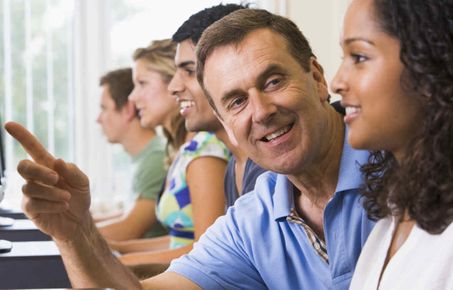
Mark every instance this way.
x=251 y=172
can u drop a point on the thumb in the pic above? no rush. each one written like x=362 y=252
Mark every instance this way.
x=72 y=175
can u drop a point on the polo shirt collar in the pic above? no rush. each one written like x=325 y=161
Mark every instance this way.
x=349 y=178
x=283 y=197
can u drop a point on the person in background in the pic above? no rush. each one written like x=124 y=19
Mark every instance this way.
x=193 y=197
x=306 y=217
x=200 y=117
x=152 y=71
x=396 y=82
x=116 y=86
x=153 y=68
x=194 y=108
x=240 y=177
x=186 y=89
x=120 y=123
x=241 y=172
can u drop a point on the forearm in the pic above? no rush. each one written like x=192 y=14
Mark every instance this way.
x=133 y=225
x=145 y=271
x=142 y=245
x=113 y=230
x=99 y=218
x=162 y=256
x=90 y=263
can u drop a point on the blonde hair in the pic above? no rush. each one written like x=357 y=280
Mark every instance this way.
x=160 y=55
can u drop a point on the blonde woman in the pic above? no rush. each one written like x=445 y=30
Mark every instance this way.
x=153 y=69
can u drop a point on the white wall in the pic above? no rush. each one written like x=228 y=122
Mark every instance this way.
x=320 y=21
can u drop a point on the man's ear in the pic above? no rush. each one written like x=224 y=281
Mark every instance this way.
x=229 y=132
x=130 y=111
x=318 y=75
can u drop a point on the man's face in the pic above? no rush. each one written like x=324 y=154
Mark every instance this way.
x=273 y=108
x=113 y=121
x=193 y=105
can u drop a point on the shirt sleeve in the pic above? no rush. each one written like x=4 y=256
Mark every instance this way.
x=205 y=144
x=219 y=259
x=150 y=175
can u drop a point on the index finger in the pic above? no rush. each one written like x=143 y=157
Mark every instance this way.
x=30 y=143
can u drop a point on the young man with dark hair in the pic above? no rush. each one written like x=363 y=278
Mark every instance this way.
x=198 y=116
x=241 y=172
x=121 y=124
x=119 y=85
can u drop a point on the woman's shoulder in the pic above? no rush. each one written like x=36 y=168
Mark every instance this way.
x=443 y=237
x=205 y=143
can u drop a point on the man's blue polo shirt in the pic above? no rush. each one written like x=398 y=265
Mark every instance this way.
x=254 y=247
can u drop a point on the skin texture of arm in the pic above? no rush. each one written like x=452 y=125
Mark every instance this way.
x=140 y=245
x=145 y=271
x=90 y=263
x=205 y=177
x=101 y=217
x=169 y=281
x=133 y=225
x=155 y=256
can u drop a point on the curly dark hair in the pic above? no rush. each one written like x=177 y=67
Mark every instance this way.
x=422 y=183
x=193 y=27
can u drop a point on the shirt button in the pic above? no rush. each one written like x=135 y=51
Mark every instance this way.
x=317 y=246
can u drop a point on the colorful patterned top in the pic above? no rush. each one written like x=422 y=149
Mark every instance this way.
x=174 y=209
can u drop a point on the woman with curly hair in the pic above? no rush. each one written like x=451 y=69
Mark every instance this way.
x=396 y=80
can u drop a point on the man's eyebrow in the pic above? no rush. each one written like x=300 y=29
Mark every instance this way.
x=227 y=96
x=270 y=70
x=185 y=63
x=260 y=80
x=353 y=39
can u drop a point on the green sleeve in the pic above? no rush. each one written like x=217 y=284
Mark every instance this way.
x=150 y=173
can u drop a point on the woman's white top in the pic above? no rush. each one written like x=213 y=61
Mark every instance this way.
x=424 y=261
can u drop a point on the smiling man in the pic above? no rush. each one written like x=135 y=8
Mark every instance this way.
x=198 y=116
x=301 y=228
x=241 y=172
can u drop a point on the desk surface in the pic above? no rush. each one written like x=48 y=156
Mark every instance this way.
x=20 y=225
x=11 y=212
x=32 y=249
x=23 y=231
x=33 y=265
